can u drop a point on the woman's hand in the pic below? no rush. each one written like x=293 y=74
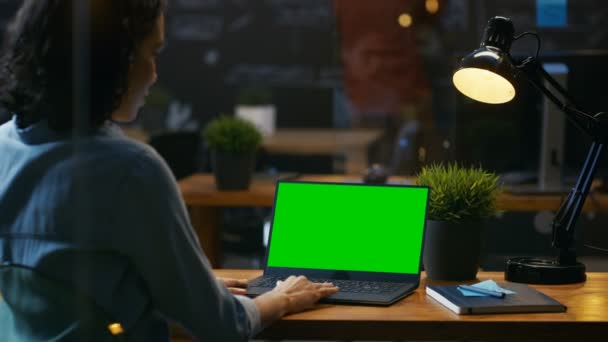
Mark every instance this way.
x=302 y=293
x=292 y=295
x=236 y=286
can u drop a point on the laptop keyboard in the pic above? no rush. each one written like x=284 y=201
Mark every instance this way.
x=352 y=286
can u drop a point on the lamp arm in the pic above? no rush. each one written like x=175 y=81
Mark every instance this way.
x=583 y=121
x=596 y=126
x=569 y=211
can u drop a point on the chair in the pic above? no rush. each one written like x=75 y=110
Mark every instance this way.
x=181 y=150
x=242 y=237
x=35 y=308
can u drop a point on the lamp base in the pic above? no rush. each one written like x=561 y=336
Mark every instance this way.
x=543 y=271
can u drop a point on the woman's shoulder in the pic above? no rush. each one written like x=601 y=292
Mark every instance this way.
x=143 y=172
x=129 y=165
x=114 y=150
x=7 y=129
x=131 y=153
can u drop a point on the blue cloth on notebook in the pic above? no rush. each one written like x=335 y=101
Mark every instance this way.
x=487 y=285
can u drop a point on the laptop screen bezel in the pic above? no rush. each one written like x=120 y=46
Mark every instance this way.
x=344 y=274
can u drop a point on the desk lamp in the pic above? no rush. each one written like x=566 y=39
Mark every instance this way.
x=487 y=75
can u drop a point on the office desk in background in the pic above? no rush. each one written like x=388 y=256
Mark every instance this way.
x=350 y=143
x=205 y=201
x=418 y=318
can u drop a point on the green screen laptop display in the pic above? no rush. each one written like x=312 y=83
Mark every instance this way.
x=348 y=227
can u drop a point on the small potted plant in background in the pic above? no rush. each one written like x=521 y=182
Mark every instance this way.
x=461 y=199
x=154 y=112
x=233 y=143
x=254 y=104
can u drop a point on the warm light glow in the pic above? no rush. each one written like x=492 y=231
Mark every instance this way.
x=432 y=6
x=405 y=20
x=483 y=85
x=115 y=329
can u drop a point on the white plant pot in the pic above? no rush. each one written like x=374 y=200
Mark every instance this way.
x=263 y=117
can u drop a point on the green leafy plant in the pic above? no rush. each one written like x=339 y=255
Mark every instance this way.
x=460 y=194
x=232 y=135
x=254 y=96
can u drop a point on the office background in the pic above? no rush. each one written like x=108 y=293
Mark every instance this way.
x=385 y=65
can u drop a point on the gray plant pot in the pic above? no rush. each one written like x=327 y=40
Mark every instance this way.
x=232 y=171
x=452 y=250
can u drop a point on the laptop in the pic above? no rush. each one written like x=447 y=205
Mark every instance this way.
x=366 y=239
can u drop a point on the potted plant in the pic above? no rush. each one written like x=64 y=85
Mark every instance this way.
x=233 y=143
x=152 y=120
x=254 y=104
x=461 y=199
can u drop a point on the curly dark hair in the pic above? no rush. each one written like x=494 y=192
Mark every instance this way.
x=55 y=48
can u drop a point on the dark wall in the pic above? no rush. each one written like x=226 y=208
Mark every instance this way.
x=217 y=47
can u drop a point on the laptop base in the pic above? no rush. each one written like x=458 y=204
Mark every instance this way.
x=357 y=298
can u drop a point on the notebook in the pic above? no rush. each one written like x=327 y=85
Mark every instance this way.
x=366 y=239
x=525 y=299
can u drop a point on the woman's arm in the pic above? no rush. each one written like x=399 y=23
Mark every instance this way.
x=161 y=243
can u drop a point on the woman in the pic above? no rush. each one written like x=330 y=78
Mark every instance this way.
x=82 y=204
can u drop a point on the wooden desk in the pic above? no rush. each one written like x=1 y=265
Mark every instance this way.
x=351 y=143
x=418 y=318
x=204 y=201
x=200 y=190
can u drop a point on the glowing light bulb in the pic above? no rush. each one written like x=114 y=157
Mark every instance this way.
x=483 y=85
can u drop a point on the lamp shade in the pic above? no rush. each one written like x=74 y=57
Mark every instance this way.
x=487 y=74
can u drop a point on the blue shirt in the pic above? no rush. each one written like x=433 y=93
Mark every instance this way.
x=104 y=214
